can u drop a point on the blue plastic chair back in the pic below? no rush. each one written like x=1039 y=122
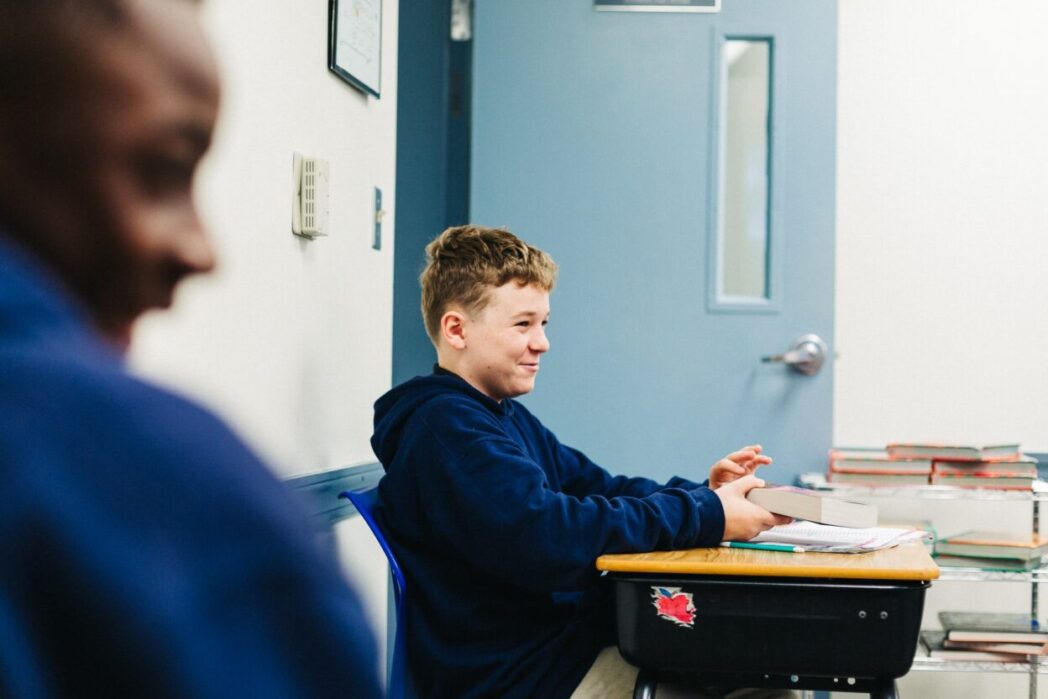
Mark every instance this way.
x=365 y=501
x=400 y=681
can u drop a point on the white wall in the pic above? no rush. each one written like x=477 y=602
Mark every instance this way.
x=942 y=249
x=290 y=340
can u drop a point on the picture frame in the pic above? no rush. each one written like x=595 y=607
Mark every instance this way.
x=657 y=5
x=355 y=43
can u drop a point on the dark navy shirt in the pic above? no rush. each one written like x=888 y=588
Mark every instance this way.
x=497 y=526
x=144 y=550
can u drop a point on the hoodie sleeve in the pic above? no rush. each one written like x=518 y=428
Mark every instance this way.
x=581 y=477
x=494 y=502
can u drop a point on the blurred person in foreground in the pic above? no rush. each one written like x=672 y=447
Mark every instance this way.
x=144 y=550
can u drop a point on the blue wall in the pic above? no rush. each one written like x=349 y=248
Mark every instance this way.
x=432 y=163
x=580 y=147
x=592 y=139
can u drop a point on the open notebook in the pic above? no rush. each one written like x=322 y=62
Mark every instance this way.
x=823 y=537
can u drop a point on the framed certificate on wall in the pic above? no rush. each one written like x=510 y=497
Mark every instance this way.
x=658 y=5
x=355 y=43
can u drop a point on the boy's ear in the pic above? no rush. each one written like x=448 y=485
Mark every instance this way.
x=453 y=329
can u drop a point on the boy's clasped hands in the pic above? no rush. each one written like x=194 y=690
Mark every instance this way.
x=730 y=479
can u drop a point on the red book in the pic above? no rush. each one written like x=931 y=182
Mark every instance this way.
x=955 y=452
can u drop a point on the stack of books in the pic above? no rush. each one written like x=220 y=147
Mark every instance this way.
x=1001 y=466
x=877 y=467
x=1002 y=475
x=982 y=636
x=1004 y=551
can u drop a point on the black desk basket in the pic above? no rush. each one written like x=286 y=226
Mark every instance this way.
x=746 y=627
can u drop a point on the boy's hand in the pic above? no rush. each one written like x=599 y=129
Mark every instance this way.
x=737 y=464
x=742 y=519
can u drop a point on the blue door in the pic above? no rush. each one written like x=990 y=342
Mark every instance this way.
x=609 y=139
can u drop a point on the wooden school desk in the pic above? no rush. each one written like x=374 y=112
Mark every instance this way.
x=746 y=618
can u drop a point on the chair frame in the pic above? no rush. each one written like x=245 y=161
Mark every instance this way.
x=364 y=500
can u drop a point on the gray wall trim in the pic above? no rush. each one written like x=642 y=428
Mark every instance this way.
x=320 y=490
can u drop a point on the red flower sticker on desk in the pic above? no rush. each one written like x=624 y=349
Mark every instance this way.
x=674 y=605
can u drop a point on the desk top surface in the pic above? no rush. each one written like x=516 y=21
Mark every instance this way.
x=905 y=562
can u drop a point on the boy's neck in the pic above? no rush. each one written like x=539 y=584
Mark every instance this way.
x=448 y=360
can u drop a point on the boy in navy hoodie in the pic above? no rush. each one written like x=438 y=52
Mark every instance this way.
x=496 y=523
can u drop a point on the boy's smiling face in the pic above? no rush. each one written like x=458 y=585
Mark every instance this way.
x=497 y=349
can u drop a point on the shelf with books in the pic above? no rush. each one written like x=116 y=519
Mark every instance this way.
x=1037 y=575
x=1035 y=495
x=983 y=642
x=922 y=663
x=817 y=481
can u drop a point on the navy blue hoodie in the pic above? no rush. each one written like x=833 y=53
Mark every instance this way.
x=497 y=526
x=144 y=550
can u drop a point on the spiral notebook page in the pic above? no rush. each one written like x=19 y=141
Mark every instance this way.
x=823 y=537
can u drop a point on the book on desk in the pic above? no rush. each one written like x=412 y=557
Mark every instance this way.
x=801 y=503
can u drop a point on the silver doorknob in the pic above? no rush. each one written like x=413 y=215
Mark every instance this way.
x=805 y=355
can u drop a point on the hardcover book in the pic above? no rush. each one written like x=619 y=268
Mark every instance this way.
x=987 y=621
x=1004 y=565
x=813 y=506
x=997 y=637
x=861 y=453
x=875 y=461
x=1024 y=468
x=988 y=544
x=933 y=644
x=1021 y=649
x=991 y=481
x=956 y=452
x=889 y=478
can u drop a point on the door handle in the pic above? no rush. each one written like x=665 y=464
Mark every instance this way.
x=805 y=355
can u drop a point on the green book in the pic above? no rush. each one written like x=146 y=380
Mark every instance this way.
x=988 y=621
x=991 y=544
x=1003 y=565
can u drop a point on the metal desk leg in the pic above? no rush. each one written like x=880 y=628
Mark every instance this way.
x=885 y=690
x=645 y=686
